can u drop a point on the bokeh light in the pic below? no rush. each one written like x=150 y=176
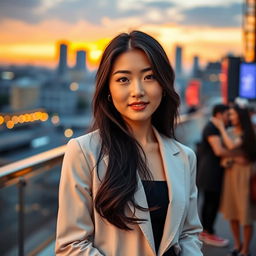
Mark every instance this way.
x=68 y=133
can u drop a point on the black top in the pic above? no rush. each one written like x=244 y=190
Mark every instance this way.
x=157 y=196
x=210 y=173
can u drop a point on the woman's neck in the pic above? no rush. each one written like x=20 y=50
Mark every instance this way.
x=143 y=133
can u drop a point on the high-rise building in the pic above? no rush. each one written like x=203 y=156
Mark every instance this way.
x=249 y=27
x=62 y=67
x=178 y=60
x=230 y=78
x=57 y=97
x=80 y=60
x=196 y=69
x=24 y=94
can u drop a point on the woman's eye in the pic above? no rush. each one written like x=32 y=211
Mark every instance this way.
x=122 y=80
x=149 y=77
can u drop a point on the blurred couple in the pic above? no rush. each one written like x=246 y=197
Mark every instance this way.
x=226 y=161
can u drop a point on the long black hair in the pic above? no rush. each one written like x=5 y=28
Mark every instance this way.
x=126 y=156
x=248 y=138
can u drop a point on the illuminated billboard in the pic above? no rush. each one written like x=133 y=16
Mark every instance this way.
x=192 y=94
x=247 y=81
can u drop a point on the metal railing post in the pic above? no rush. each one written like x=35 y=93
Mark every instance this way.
x=21 y=215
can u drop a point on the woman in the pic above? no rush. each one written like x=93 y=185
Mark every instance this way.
x=236 y=206
x=128 y=188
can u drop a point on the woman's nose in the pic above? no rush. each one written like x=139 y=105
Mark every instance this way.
x=137 y=89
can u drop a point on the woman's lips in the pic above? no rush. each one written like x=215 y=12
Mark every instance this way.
x=138 y=106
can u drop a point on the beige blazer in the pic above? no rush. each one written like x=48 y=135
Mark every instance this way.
x=80 y=229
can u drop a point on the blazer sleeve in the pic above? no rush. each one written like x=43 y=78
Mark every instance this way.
x=75 y=227
x=189 y=242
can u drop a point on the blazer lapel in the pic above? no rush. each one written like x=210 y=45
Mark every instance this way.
x=140 y=199
x=174 y=168
x=145 y=226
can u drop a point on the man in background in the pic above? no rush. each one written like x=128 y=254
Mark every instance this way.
x=210 y=176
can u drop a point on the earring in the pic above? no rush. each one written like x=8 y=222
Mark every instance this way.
x=109 y=98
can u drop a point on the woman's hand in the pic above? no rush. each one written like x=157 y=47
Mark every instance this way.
x=218 y=123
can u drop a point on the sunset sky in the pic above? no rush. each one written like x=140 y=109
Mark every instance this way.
x=31 y=29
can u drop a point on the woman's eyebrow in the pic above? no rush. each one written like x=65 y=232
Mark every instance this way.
x=146 y=69
x=122 y=72
x=129 y=72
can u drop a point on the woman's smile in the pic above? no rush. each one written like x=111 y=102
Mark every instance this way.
x=138 y=106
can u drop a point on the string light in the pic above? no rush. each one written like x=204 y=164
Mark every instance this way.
x=10 y=121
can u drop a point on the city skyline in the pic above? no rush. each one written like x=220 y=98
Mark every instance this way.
x=31 y=30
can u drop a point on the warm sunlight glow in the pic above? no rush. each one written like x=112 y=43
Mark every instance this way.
x=38 y=44
x=95 y=55
x=93 y=50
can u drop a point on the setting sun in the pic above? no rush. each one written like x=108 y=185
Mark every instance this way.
x=93 y=50
x=94 y=55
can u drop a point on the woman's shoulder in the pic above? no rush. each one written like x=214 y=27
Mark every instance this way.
x=177 y=146
x=89 y=141
x=183 y=152
x=184 y=148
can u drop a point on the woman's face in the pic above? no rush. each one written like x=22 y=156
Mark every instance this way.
x=233 y=116
x=135 y=92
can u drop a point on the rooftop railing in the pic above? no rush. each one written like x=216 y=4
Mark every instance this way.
x=19 y=173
